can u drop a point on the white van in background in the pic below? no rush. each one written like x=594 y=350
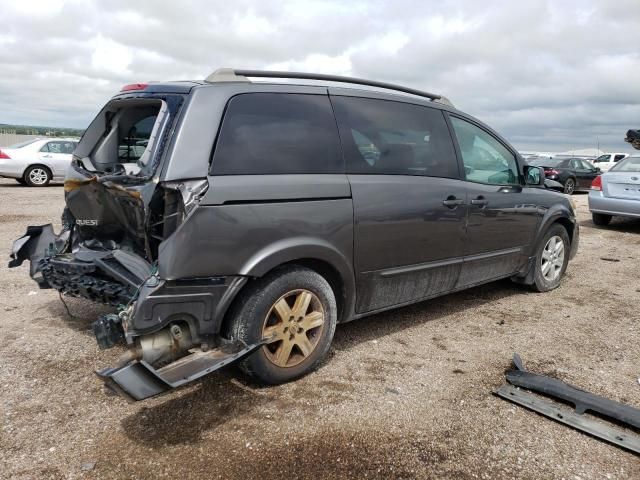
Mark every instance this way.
x=608 y=160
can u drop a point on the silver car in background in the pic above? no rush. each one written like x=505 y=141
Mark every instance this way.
x=37 y=162
x=616 y=192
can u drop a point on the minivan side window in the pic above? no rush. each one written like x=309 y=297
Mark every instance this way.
x=277 y=133
x=485 y=159
x=394 y=138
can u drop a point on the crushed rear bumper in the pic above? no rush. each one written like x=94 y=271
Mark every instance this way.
x=38 y=242
x=138 y=380
x=107 y=276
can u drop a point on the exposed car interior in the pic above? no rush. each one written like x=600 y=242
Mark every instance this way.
x=121 y=138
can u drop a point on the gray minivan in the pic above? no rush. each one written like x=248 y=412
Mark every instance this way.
x=232 y=220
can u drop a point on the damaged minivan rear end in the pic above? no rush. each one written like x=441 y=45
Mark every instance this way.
x=230 y=220
x=118 y=215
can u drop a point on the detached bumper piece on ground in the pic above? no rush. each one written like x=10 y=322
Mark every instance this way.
x=139 y=380
x=623 y=415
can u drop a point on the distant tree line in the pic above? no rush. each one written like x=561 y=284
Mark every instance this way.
x=44 y=131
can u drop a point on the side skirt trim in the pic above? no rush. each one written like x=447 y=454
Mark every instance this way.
x=617 y=436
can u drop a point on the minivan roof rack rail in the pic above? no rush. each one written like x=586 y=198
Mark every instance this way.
x=229 y=74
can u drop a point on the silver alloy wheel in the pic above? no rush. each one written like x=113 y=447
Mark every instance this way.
x=38 y=176
x=569 y=187
x=552 y=258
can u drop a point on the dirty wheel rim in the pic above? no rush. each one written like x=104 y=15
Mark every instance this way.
x=569 y=187
x=552 y=258
x=293 y=328
x=38 y=176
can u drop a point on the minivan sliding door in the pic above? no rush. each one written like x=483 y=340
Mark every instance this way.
x=409 y=207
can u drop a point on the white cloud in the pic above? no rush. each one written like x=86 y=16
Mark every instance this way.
x=111 y=56
x=545 y=74
x=316 y=62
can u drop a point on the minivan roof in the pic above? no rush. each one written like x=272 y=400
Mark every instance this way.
x=228 y=75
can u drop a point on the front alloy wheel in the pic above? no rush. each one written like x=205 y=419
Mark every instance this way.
x=552 y=258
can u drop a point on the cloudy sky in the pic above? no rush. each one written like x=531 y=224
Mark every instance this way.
x=548 y=75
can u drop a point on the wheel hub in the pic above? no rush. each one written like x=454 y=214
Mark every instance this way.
x=38 y=176
x=552 y=259
x=293 y=328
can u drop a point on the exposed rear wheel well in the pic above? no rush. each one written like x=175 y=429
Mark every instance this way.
x=326 y=270
x=331 y=275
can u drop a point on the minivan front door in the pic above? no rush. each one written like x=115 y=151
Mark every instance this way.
x=409 y=207
x=502 y=215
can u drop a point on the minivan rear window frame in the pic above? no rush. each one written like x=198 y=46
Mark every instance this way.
x=174 y=103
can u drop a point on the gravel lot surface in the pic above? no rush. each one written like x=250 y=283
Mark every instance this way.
x=405 y=394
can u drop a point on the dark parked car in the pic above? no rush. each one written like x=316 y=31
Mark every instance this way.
x=575 y=174
x=260 y=215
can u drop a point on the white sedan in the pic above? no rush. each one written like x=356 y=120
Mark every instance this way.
x=37 y=162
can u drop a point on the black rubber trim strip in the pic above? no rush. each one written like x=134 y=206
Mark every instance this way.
x=283 y=200
x=616 y=436
x=583 y=401
x=389 y=272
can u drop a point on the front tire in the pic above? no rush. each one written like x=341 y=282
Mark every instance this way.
x=551 y=259
x=569 y=186
x=21 y=181
x=37 y=176
x=296 y=309
x=601 y=219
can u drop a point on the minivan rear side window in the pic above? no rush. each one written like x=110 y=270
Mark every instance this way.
x=394 y=138
x=277 y=133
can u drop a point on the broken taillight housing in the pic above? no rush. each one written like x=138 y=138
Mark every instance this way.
x=596 y=184
x=4 y=155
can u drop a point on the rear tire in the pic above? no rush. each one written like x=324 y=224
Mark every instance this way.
x=296 y=308
x=21 y=181
x=601 y=219
x=569 y=186
x=552 y=258
x=37 y=176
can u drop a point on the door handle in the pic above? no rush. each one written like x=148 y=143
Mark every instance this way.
x=480 y=201
x=46 y=156
x=452 y=202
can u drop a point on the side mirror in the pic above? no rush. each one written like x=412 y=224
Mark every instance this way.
x=534 y=175
x=598 y=170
